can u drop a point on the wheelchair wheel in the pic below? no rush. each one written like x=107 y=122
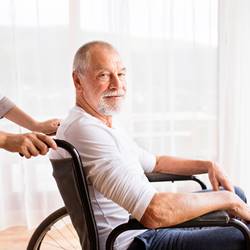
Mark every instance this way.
x=55 y=232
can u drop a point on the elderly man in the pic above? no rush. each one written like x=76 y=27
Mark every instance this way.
x=28 y=144
x=115 y=167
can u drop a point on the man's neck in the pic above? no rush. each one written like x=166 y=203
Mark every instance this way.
x=90 y=110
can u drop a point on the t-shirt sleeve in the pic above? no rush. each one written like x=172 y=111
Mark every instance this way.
x=147 y=160
x=109 y=171
x=5 y=105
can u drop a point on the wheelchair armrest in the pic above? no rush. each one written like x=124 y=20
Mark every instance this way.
x=216 y=218
x=157 y=177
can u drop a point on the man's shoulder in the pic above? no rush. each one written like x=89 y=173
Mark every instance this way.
x=83 y=131
x=79 y=125
x=77 y=117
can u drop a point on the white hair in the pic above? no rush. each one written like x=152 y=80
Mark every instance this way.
x=81 y=58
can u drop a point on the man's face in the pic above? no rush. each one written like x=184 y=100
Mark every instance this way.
x=103 y=81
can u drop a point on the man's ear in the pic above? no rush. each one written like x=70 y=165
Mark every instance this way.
x=76 y=80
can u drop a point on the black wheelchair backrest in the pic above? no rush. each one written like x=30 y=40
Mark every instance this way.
x=72 y=184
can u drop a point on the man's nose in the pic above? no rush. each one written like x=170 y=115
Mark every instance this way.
x=115 y=83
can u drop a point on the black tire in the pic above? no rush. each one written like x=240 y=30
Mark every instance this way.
x=37 y=239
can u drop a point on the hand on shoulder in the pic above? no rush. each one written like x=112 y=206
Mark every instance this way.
x=48 y=127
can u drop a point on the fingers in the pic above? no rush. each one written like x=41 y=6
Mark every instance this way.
x=224 y=181
x=55 y=122
x=227 y=185
x=47 y=140
x=49 y=127
x=239 y=208
x=25 y=152
x=34 y=144
x=215 y=184
x=33 y=149
x=218 y=178
x=213 y=180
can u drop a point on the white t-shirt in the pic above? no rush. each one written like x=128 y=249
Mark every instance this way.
x=114 y=166
x=5 y=105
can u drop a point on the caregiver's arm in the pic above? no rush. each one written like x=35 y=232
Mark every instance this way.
x=21 y=118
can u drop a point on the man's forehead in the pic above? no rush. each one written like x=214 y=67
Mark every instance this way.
x=100 y=59
x=118 y=66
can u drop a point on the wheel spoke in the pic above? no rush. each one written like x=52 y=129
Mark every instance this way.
x=73 y=232
x=58 y=244
x=62 y=236
x=55 y=232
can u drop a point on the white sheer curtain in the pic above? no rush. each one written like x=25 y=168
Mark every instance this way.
x=170 y=50
x=234 y=94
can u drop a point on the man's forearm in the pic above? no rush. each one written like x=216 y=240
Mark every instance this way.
x=174 y=165
x=168 y=209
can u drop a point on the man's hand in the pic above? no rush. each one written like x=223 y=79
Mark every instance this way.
x=238 y=208
x=29 y=144
x=48 y=127
x=218 y=178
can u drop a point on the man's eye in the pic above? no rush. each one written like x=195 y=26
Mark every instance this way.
x=103 y=76
x=121 y=75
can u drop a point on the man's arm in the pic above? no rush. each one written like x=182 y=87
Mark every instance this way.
x=174 y=165
x=29 y=144
x=168 y=209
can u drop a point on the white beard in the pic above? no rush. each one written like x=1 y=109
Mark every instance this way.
x=106 y=108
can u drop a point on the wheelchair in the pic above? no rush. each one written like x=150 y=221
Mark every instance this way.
x=74 y=226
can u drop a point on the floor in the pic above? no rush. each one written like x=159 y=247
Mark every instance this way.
x=60 y=236
x=14 y=238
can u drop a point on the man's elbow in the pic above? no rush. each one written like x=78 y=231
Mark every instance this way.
x=155 y=216
x=149 y=220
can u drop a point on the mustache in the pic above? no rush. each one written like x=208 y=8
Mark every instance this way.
x=114 y=93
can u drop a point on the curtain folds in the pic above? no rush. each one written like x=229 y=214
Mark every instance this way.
x=234 y=91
